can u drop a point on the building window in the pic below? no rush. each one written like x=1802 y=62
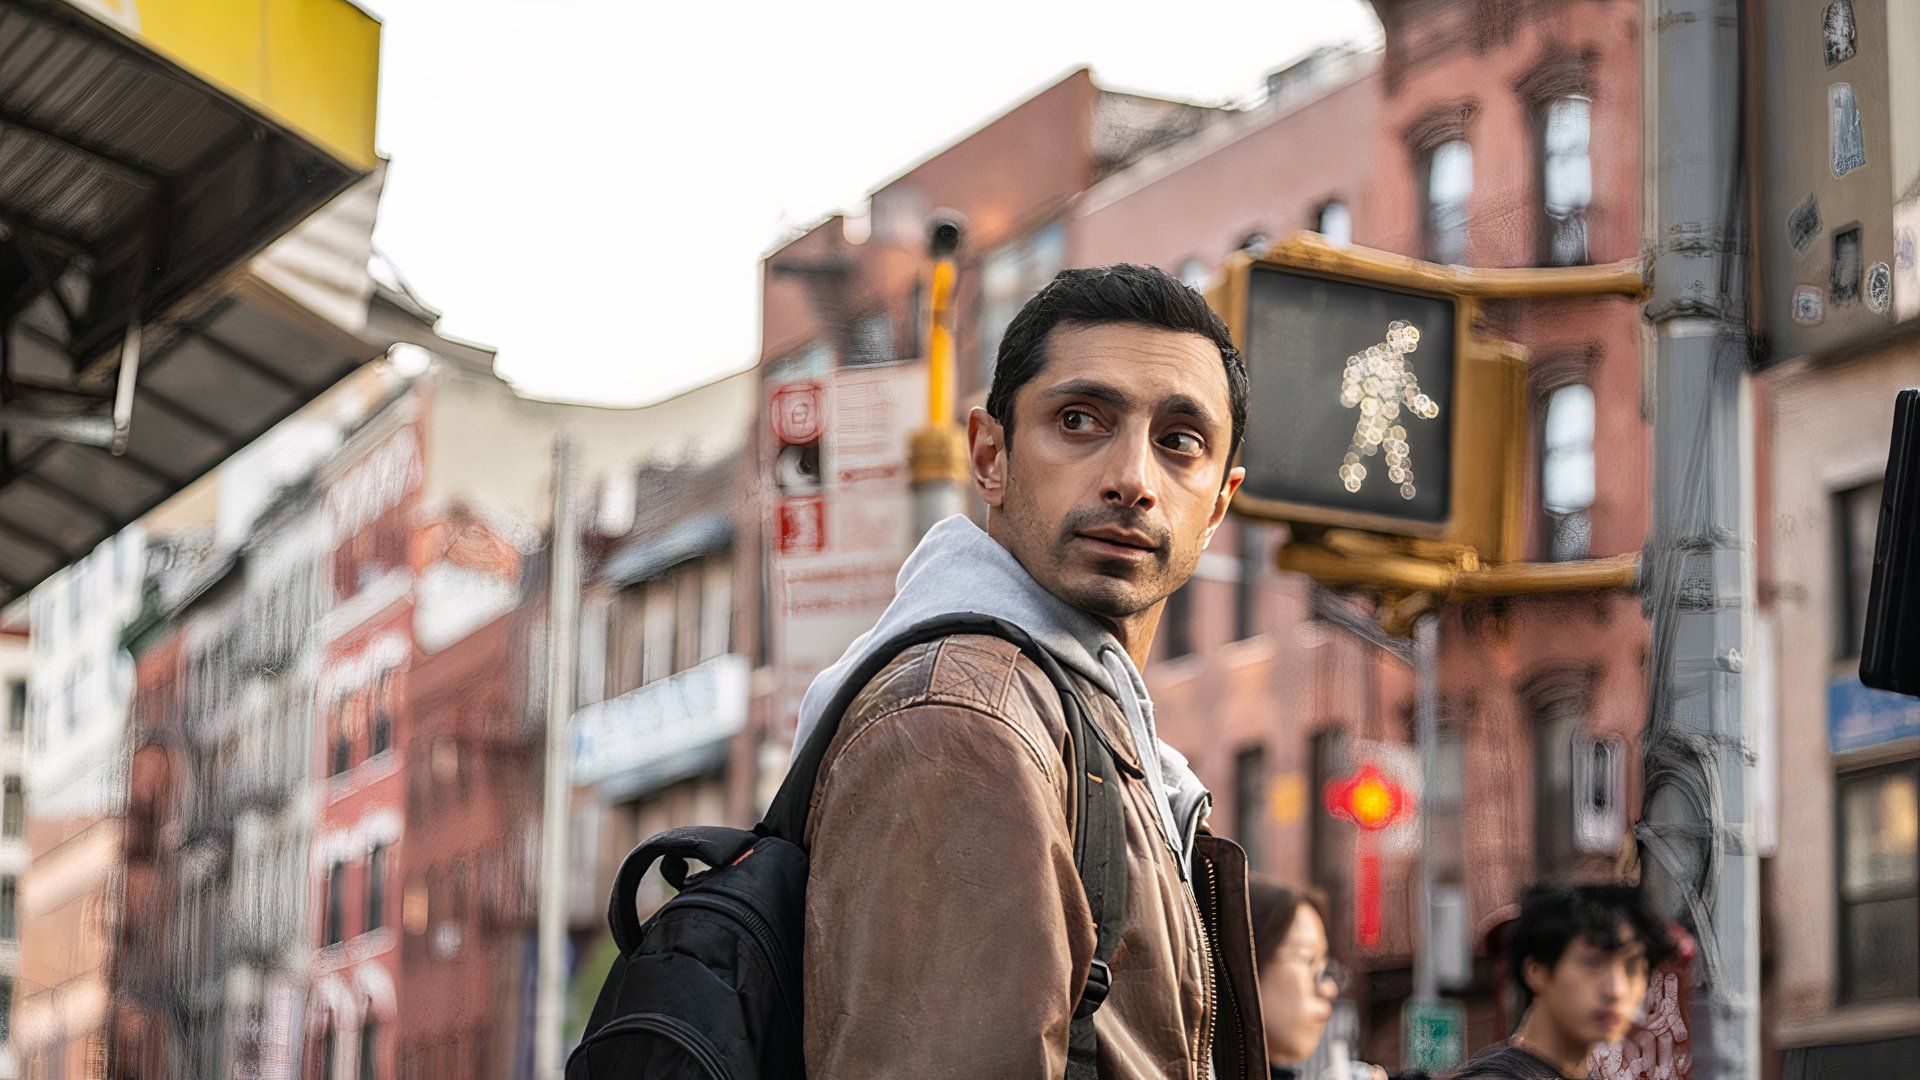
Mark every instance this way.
x=342 y=757
x=1566 y=177
x=17 y=706
x=1009 y=276
x=1330 y=841
x=1449 y=184
x=380 y=738
x=1567 y=472
x=1250 y=801
x=1176 y=623
x=13 y=810
x=1856 y=519
x=1557 y=720
x=370 y=1049
x=336 y=903
x=1880 y=883
x=1335 y=222
x=377 y=887
x=660 y=622
x=1246 y=592
x=689 y=582
x=9 y=908
x=870 y=341
x=716 y=609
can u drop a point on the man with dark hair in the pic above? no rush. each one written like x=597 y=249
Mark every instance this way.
x=1580 y=957
x=948 y=933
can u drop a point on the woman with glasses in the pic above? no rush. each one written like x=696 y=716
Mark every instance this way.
x=1299 y=979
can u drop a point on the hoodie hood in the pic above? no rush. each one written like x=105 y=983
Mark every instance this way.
x=959 y=568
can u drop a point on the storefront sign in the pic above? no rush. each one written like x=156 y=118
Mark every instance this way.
x=1859 y=717
x=701 y=706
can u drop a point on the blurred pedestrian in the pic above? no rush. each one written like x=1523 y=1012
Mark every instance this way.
x=947 y=932
x=1580 y=956
x=1299 y=978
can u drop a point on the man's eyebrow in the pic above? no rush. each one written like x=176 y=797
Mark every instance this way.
x=1177 y=404
x=1091 y=388
x=1189 y=406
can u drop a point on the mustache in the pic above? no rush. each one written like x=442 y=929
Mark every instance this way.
x=1079 y=521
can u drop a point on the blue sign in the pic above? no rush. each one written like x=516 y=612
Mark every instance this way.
x=1859 y=716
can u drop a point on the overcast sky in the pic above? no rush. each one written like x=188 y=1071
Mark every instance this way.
x=589 y=184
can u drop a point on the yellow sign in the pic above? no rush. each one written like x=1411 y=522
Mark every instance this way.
x=311 y=66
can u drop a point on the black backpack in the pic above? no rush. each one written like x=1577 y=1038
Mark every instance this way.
x=710 y=986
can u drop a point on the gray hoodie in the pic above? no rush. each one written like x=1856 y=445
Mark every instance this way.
x=959 y=568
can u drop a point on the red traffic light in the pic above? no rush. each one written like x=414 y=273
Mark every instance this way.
x=1368 y=798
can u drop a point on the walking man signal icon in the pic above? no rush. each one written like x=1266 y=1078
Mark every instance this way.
x=1379 y=383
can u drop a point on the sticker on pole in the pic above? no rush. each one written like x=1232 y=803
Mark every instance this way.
x=796 y=413
x=1436 y=1035
x=1879 y=288
x=1809 y=304
x=1848 y=146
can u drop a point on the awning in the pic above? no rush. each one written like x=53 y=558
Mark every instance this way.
x=147 y=150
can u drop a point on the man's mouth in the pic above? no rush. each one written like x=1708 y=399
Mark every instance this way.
x=1123 y=543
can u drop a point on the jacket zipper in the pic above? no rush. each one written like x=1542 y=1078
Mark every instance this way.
x=676 y=1031
x=1207 y=949
x=757 y=928
x=1238 y=1054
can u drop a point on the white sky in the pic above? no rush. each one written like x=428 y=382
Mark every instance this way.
x=589 y=184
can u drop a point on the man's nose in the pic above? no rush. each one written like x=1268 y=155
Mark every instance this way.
x=1130 y=473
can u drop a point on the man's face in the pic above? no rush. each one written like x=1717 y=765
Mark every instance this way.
x=1120 y=476
x=1591 y=995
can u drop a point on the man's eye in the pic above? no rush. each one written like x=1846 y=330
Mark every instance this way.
x=1076 y=420
x=1184 y=442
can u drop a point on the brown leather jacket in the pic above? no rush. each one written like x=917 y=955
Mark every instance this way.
x=947 y=933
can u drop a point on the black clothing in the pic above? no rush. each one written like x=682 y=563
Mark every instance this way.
x=1509 y=1062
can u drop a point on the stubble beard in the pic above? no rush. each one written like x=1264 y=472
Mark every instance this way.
x=1114 y=589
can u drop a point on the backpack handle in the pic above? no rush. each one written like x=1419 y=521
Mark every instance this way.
x=709 y=844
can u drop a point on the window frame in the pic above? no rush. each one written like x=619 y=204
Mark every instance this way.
x=1845 y=990
x=1548 y=234
x=1849 y=629
x=1429 y=230
x=1320 y=220
x=376 y=914
x=335 y=930
x=1551 y=520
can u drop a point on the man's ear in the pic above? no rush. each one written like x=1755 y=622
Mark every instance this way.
x=1536 y=975
x=1235 y=476
x=987 y=455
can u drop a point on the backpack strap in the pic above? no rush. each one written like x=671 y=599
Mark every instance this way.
x=1099 y=825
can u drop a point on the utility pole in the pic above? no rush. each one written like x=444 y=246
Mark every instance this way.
x=563 y=599
x=1696 y=834
x=1426 y=670
x=937 y=454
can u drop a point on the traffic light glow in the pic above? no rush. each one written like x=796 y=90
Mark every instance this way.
x=1368 y=798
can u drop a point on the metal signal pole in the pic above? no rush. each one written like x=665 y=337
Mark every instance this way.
x=1696 y=834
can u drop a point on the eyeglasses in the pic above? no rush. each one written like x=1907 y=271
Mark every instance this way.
x=1329 y=977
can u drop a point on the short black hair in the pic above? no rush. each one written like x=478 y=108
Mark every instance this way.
x=1273 y=907
x=1096 y=295
x=1552 y=916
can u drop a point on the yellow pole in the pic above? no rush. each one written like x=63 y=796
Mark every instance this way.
x=937 y=453
x=940 y=347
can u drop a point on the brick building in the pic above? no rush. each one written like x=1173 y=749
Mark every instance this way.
x=1496 y=134
x=1490 y=135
